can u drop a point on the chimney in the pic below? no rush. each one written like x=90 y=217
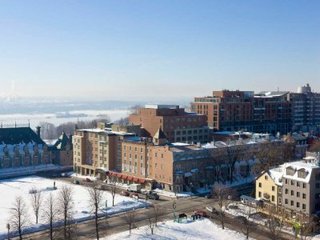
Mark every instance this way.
x=38 y=131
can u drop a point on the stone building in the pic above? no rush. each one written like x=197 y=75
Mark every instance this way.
x=22 y=147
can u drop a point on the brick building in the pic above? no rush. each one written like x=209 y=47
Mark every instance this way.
x=97 y=150
x=242 y=110
x=177 y=124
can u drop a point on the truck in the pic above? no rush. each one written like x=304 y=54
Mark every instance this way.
x=134 y=188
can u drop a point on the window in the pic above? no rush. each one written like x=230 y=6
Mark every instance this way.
x=292 y=192
x=304 y=185
x=317 y=185
x=303 y=195
x=260 y=184
x=286 y=191
x=292 y=182
x=273 y=188
x=292 y=203
x=298 y=204
x=286 y=201
x=298 y=194
x=298 y=184
x=266 y=177
x=272 y=198
x=304 y=206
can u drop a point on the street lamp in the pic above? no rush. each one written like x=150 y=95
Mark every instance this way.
x=8 y=227
x=174 y=206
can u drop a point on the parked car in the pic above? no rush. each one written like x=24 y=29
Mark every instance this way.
x=125 y=193
x=88 y=180
x=201 y=213
x=211 y=209
x=153 y=195
x=209 y=195
x=134 y=195
x=76 y=181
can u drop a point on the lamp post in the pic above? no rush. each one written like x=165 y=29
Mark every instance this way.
x=8 y=227
x=174 y=206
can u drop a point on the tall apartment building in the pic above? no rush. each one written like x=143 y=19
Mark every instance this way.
x=177 y=124
x=96 y=150
x=226 y=110
x=272 y=112
x=305 y=109
x=242 y=110
x=295 y=186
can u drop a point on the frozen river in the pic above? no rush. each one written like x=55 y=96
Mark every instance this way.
x=57 y=118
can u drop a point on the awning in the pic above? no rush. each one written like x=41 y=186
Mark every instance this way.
x=130 y=178
x=188 y=174
x=135 y=179
x=141 y=180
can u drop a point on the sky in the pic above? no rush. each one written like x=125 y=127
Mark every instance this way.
x=156 y=49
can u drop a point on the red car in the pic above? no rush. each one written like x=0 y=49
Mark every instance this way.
x=201 y=213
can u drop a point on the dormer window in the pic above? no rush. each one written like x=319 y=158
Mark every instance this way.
x=290 y=171
x=302 y=173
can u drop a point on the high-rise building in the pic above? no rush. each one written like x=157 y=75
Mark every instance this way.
x=305 y=109
x=242 y=110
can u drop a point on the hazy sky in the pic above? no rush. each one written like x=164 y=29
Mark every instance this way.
x=157 y=49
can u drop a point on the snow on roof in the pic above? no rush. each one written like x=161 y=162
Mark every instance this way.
x=180 y=144
x=276 y=174
x=299 y=165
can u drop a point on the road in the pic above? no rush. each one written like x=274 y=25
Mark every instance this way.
x=118 y=223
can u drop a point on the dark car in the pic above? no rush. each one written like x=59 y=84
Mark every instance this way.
x=76 y=181
x=209 y=195
x=125 y=193
x=153 y=195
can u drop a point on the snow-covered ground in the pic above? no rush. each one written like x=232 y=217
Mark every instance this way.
x=198 y=230
x=11 y=188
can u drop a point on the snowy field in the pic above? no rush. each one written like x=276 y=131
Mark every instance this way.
x=11 y=188
x=198 y=230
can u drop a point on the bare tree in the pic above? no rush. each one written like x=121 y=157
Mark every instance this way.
x=305 y=226
x=275 y=221
x=95 y=201
x=50 y=214
x=271 y=154
x=66 y=207
x=130 y=219
x=36 y=202
x=233 y=154
x=153 y=217
x=247 y=225
x=19 y=215
x=223 y=196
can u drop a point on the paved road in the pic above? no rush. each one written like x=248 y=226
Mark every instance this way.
x=117 y=223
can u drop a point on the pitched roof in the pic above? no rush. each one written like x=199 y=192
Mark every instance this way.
x=160 y=134
x=62 y=141
x=19 y=135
